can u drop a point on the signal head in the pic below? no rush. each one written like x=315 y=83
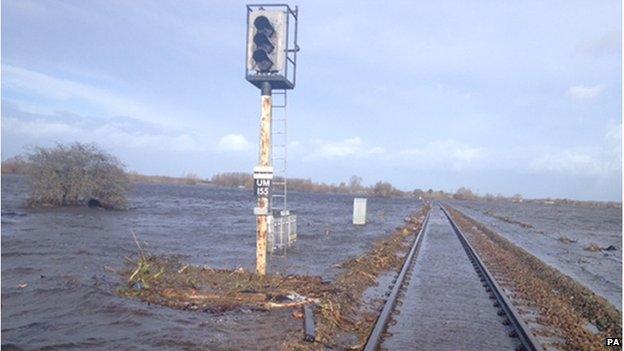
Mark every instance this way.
x=271 y=55
x=263 y=62
x=263 y=43
x=263 y=25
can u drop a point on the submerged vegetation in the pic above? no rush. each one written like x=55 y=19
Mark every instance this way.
x=169 y=282
x=75 y=174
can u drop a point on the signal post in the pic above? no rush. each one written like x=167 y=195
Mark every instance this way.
x=263 y=174
x=271 y=64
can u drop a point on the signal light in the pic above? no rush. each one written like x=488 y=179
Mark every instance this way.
x=264 y=46
x=271 y=45
x=263 y=43
x=263 y=25
x=263 y=62
x=266 y=41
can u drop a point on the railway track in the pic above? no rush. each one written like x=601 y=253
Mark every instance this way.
x=448 y=289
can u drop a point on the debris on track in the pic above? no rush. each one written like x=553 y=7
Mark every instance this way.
x=341 y=322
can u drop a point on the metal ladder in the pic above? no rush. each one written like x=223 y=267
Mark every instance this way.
x=279 y=152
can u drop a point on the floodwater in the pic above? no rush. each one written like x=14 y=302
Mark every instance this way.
x=445 y=307
x=64 y=261
x=549 y=226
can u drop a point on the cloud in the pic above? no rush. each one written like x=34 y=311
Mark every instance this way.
x=577 y=161
x=444 y=153
x=234 y=142
x=607 y=44
x=30 y=8
x=376 y=150
x=38 y=128
x=68 y=91
x=345 y=148
x=585 y=92
x=599 y=160
x=295 y=148
x=26 y=128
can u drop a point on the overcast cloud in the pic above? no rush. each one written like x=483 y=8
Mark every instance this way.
x=501 y=97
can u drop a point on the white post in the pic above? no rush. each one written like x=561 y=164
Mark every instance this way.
x=359 y=211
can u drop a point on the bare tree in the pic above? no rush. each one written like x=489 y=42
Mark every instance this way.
x=76 y=174
x=355 y=184
x=191 y=179
x=384 y=189
x=517 y=198
x=464 y=193
x=232 y=179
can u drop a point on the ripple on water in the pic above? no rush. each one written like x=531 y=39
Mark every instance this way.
x=75 y=305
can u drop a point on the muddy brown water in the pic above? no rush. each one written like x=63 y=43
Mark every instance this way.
x=65 y=256
x=444 y=306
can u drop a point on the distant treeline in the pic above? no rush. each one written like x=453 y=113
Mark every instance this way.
x=188 y=179
x=354 y=186
x=384 y=189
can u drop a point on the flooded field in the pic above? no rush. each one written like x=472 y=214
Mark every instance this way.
x=58 y=265
x=59 y=285
x=562 y=236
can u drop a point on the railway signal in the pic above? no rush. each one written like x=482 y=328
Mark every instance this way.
x=264 y=42
x=271 y=64
x=271 y=46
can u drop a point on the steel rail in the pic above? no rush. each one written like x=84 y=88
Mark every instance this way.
x=520 y=330
x=374 y=339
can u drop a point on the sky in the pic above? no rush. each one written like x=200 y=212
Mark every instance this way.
x=502 y=97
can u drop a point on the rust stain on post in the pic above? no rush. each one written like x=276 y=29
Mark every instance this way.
x=261 y=241
x=265 y=131
x=263 y=202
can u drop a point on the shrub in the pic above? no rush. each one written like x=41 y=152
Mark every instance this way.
x=232 y=179
x=191 y=179
x=76 y=174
